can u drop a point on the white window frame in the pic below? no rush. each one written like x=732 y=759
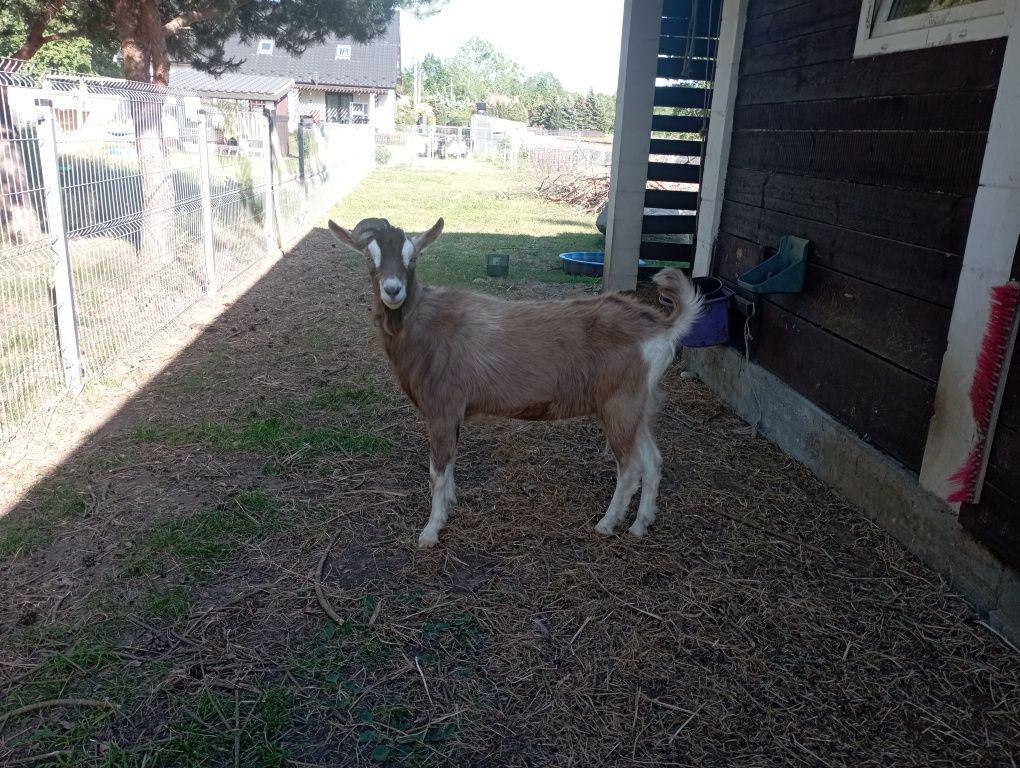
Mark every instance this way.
x=343 y=52
x=982 y=20
x=266 y=47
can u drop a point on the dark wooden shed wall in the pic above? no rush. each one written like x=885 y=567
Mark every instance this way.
x=876 y=161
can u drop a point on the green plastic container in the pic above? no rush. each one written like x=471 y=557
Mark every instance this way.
x=497 y=264
x=783 y=272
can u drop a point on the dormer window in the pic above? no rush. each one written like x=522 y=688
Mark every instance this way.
x=343 y=51
x=266 y=47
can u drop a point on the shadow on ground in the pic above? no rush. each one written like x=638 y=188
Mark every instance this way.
x=167 y=591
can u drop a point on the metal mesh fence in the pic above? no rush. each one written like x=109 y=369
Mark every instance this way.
x=123 y=204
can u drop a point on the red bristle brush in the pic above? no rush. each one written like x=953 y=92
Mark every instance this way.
x=985 y=390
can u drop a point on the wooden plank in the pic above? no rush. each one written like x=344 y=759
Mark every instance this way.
x=951 y=68
x=682 y=27
x=860 y=312
x=756 y=8
x=887 y=406
x=815 y=48
x=685 y=172
x=684 y=8
x=669 y=225
x=699 y=47
x=995 y=523
x=932 y=161
x=676 y=148
x=682 y=96
x=667 y=251
x=1004 y=461
x=671 y=199
x=677 y=68
x=803 y=19
x=930 y=220
x=677 y=7
x=968 y=111
x=679 y=124
x=919 y=272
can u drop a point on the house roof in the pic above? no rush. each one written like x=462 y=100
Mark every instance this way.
x=233 y=85
x=372 y=65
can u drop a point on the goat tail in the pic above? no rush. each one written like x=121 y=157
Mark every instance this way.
x=686 y=303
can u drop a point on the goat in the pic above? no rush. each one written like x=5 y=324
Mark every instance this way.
x=460 y=355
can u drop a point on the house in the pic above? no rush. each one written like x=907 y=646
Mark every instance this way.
x=888 y=135
x=255 y=91
x=338 y=81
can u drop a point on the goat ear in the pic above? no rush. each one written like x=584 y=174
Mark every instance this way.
x=425 y=239
x=343 y=236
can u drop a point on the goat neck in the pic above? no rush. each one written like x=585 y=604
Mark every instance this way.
x=391 y=321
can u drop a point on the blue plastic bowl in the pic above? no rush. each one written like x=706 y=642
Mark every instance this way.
x=585 y=263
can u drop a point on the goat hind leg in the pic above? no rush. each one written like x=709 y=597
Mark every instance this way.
x=651 y=473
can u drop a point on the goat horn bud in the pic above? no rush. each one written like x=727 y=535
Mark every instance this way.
x=367 y=229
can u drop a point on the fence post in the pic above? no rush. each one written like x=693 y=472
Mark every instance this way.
x=63 y=288
x=207 y=221
x=301 y=148
x=271 y=246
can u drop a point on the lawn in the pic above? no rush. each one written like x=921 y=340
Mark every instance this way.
x=486 y=210
x=226 y=573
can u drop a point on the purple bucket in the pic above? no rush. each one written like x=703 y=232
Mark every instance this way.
x=713 y=326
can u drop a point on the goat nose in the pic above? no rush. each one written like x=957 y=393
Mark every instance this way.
x=392 y=290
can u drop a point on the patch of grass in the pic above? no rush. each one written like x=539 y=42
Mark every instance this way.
x=167 y=604
x=205 y=538
x=340 y=398
x=262 y=738
x=30 y=526
x=486 y=211
x=390 y=735
x=281 y=434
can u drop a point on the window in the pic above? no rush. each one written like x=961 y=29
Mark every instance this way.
x=266 y=47
x=905 y=25
x=338 y=108
x=343 y=51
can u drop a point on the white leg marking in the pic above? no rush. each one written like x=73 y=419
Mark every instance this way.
x=651 y=473
x=627 y=479
x=443 y=495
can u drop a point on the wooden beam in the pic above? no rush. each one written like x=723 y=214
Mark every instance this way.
x=639 y=52
x=720 y=131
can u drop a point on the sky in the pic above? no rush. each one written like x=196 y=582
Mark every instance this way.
x=576 y=40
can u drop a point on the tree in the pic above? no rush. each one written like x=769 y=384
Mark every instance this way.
x=149 y=33
x=73 y=54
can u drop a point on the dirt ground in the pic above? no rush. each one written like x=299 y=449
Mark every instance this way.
x=165 y=593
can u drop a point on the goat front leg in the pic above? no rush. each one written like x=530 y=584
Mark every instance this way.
x=628 y=475
x=443 y=450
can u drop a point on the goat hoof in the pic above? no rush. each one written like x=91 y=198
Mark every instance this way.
x=604 y=529
x=638 y=530
x=427 y=540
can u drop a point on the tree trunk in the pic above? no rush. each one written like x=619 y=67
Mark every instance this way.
x=145 y=60
x=37 y=32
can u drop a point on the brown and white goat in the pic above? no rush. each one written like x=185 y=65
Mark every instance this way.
x=461 y=355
